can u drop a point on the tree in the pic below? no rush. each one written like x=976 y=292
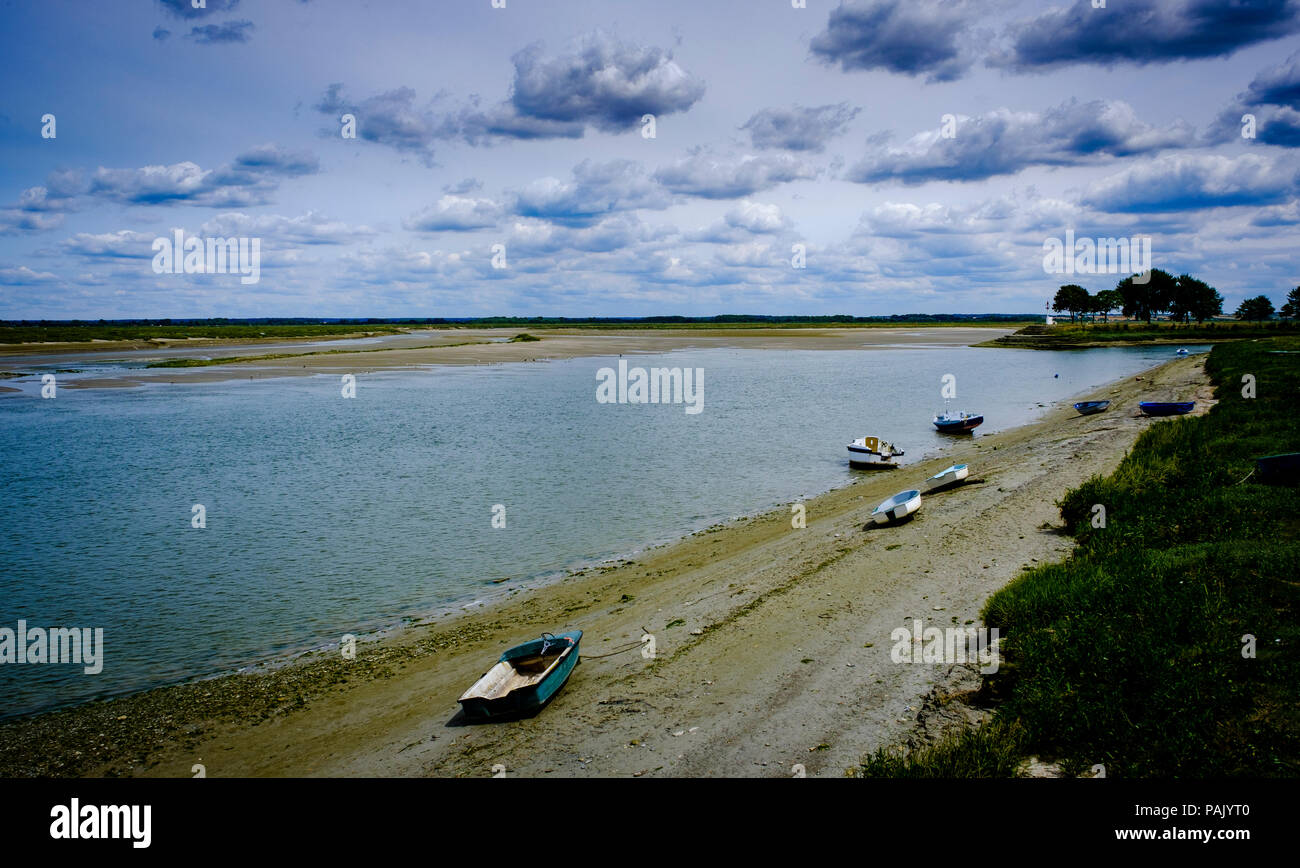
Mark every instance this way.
x=1072 y=298
x=1291 y=310
x=1145 y=300
x=1106 y=301
x=1259 y=308
x=1194 y=299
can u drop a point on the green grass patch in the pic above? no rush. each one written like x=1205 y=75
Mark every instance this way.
x=1130 y=653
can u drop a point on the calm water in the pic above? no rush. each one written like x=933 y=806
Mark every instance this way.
x=327 y=516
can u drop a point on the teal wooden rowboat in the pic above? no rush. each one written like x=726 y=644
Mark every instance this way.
x=524 y=679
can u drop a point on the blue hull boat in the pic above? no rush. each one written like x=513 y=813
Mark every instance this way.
x=524 y=679
x=958 y=423
x=1281 y=469
x=1087 y=408
x=1170 y=408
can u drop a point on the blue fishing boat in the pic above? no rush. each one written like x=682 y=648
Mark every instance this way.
x=1167 y=408
x=524 y=678
x=1281 y=469
x=958 y=423
x=1087 y=408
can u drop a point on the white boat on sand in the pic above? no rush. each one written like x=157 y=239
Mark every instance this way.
x=954 y=475
x=872 y=451
x=898 y=507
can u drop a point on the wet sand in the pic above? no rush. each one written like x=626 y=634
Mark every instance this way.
x=478 y=347
x=773 y=643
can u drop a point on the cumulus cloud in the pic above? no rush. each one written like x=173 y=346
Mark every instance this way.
x=710 y=176
x=41 y=208
x=1146 y=31
x=596 y=190
x=455 y=214
x=390 y=118
x=604 y=84
x=742 y=222
x=799 y=128
x=248 y=180
x=908 y=37
x=1004 y=142
x=21 y=275
x=311 y=228
x=1193 y=181
x=122 y=244
x=1272 y=102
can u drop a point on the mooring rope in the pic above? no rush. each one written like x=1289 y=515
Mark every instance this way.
x=623 y=649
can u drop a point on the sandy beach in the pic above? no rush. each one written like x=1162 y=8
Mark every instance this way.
x=772 y=642
x=465 y=347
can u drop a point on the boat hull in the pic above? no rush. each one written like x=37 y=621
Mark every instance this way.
x=1087 y=408
x=531 y=697
x=897 y=508
x=1281 y=469
x=872 y=452
x=958 y=426
x=1171 y=408
x=954 y=475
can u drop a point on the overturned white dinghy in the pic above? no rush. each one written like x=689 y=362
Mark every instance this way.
x=954 y=475
x=898 y=507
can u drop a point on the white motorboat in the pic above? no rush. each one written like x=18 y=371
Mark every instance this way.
x=953 y=475
x=872 y=451
x=898 y=507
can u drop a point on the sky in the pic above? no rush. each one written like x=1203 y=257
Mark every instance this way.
x=638 y=157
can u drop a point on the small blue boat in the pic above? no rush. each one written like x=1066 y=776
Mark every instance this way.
x=1087 y=408
x=524 y=679
x=1281 y=469
x=1167 y=408
x=958 y=423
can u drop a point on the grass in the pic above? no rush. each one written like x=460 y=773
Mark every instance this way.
x=1068 y=335
x=1130 y=653
x=16 y=333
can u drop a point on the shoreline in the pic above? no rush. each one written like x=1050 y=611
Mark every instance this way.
x=492 y=346
x=820 y=600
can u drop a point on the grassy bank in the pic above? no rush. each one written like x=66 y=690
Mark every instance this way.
x=19 y=333
x=1130 y=653
x=1066 y=336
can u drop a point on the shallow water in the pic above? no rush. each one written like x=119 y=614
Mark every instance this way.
x=328 y=515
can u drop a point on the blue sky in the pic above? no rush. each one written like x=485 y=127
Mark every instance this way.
x=522 y=126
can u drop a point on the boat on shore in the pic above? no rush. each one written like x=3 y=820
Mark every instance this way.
x=1181 y=352
x=954 y=475
x=1283 y=469
x=897 y=508
x=873 y=452
x=524 y=678
x=958 y=423
x=1166 y=408
x=1087 y=408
